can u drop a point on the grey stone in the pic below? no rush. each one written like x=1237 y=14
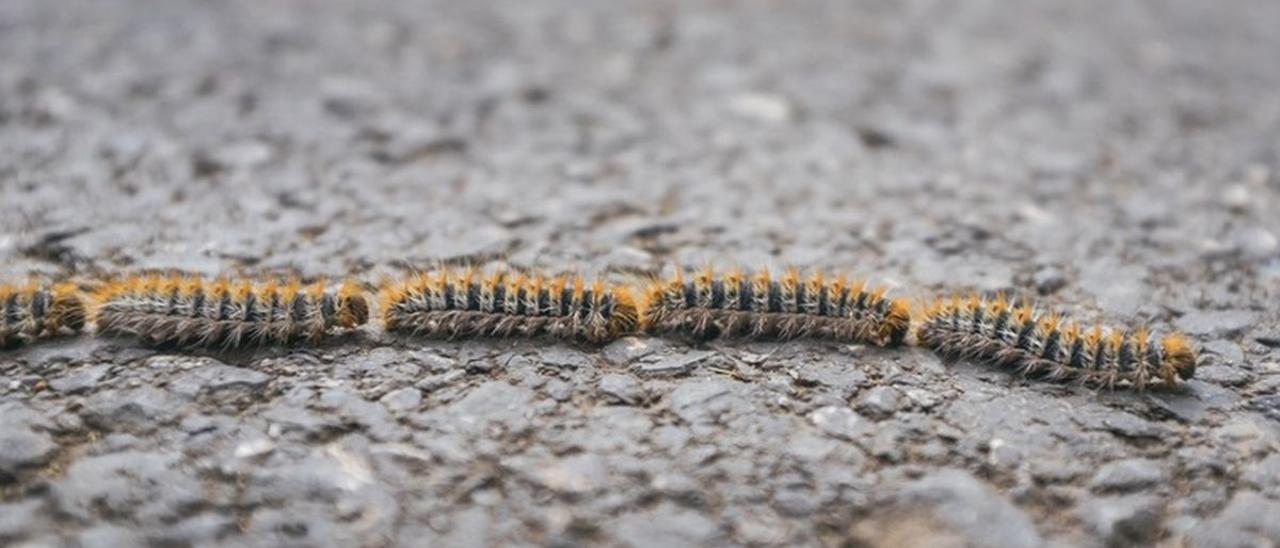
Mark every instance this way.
x=109 y=536
x=956 y=502
x=442 y=380
x=678 y=363
x=1119 y=289
x=621 y=389
x=1049 y=280
x=1225 y=375
x=348 y=98
x=809 y=447
x=671 y=438
x=22 y=447
x=666 y=525
x=559 y=390
x=796 y=502
x=254 y=448
x=477 y=358
x=451 y=449
x=1247 y=433
x=1130 y=520
x=374 y=361
x=1248 y=520
x=116 y=442
x=216 y=379
x=1128 y=475
x=16 y=415
x=844 y=379
x=627 y=350
x=1256 y=242
x=923 y=399
x=1226 y=352
x=1057 y=470
x=577 y=474
x=1217 y=323
x=413 y=459
x=1264 y=475
x=613 y=429
x=409 y=146
x=841 y=422
x=149 y=488
x=299 y=523
x=879 y=402
x=1131 y=426
x=677 y=486
x=327 y=475
x=628 y=257
x=201 y=529
x=1237 y=198
x=1268 y=335
x=564 y=357
x=887 y=444
x=700 y=401
x=762 y=106
x=238 y=155
x=81 y=379
x=1268 y=405
x=430 y=361
x=1196 y=400
x=353 y=409
x=402 y=400
x=140 y=409
x=285 y=419
x=493 y=401
x=470 y=527
x=19 y=519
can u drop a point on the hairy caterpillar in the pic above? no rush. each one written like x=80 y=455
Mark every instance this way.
x=465 y=304
x=708 y=305
x=188 y=311
x=32 y=312
x=1045 y=345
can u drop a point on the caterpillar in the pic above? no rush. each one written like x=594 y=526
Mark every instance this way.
x=32 y=312
x=502 y=304
x=1045 y=345
x=706 y=305
x=188 y=311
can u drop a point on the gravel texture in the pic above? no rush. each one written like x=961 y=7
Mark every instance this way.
x=1118 y=161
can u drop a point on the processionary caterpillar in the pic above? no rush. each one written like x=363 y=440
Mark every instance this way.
x=31 y=312
x=458 y=304
x=1044 y=345
x=707 y=305
x=188 y=311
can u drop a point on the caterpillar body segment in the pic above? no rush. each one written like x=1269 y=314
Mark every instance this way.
x=757 y=305
x=458 y=304
x=1045 y=345
x=192 y=312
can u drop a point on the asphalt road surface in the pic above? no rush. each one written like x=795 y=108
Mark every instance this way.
x=1118 y=161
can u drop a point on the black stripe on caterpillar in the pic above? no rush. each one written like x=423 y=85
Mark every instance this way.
x=32 y=312
x=1043 y=345
x=706 y=305
x=450 y=304
x=188 y=311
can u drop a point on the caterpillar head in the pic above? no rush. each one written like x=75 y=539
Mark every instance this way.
x=625 y=317
x=651 y=306
x=351 y=309
x=395 y=293
x=1179 y=358
x=66 y=308
x=897 y=321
